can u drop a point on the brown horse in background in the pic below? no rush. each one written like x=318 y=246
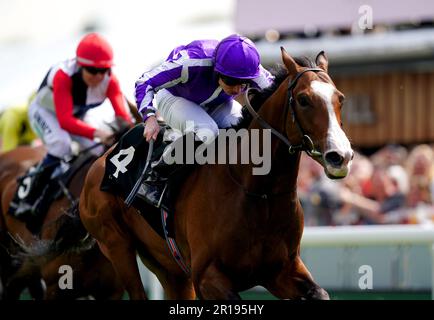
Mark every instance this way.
x=23 y=266
x=12 y=165
x=19 y=269
x=235 y=230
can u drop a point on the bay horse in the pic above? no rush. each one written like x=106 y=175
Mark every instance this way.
x=234 y=230
x=23 y=266
x=12 y=165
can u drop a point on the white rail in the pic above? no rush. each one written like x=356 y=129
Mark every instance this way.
x=352 y=236
x=367 y=235
x=371 y=236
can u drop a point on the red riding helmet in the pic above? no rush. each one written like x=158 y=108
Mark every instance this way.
x=94 y=51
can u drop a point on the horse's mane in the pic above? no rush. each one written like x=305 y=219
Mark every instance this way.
x=259 y=97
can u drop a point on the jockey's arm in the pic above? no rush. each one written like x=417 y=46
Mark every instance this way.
x=114 y=94
x=166 y=75
x=63 y=102
x=264 y=79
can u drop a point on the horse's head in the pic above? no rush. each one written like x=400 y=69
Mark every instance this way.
x=314 y=116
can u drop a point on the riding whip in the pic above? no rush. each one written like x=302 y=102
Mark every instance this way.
x=129 y=200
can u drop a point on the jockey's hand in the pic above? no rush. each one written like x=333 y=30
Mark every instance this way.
x=106 y=137
x=151 y=128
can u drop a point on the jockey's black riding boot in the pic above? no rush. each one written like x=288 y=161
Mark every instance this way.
x=153 y=188
x=30 y=195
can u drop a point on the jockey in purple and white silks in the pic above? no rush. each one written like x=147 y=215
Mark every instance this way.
x=197 y=84
x=189 y=84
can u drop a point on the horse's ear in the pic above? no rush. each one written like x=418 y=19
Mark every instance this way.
x=322 y=61
x=289 y=63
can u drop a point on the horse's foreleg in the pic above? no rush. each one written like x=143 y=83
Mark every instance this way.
x=176 y=285
x=295 y=282
x=16 y=285
x=13 y=289
x=123 y=259
x=114 y=241
x=177 y=288
x=26 y=276
x=37 y=288
x=212 y=284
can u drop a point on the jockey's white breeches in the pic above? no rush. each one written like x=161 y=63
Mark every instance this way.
x=186 y=116
x=57 y=141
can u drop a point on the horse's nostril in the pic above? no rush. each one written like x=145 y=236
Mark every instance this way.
x=334 y=158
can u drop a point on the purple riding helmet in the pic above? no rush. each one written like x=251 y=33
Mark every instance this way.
x=237 y=57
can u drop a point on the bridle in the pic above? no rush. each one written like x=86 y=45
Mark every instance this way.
x=306 y=144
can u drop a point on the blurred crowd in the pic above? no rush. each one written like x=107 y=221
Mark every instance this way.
x=395 y=185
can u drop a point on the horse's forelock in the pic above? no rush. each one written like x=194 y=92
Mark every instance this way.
x=305 y=61
x=259 y=97
x=280 y=74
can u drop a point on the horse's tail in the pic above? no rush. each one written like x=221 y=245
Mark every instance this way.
x=71 y=235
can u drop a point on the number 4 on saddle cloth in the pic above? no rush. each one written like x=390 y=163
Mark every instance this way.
x=55 y=187
x=125 y=164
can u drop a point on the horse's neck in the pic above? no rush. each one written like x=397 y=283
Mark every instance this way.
x=283 y=173
x=285 y=167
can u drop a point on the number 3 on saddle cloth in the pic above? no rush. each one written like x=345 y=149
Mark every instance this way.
x=55 y=188
x=125 y=164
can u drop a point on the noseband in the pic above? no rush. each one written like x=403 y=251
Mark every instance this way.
x=307 y=143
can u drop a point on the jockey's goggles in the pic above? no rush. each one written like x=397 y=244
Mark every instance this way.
x=94 y=71
x=229 y=81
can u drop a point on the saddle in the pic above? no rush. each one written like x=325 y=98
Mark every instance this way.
x=123 y=167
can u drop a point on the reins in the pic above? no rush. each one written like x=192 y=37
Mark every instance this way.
x=306 y=140
x=306 y=144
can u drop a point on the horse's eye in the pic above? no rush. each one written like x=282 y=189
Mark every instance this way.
x=303 y=101
x=341 y=100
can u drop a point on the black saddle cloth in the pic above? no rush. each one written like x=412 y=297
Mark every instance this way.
x=123 y=167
